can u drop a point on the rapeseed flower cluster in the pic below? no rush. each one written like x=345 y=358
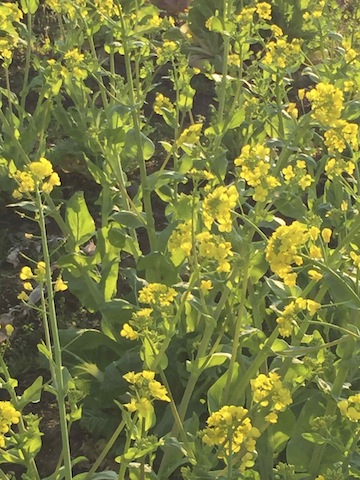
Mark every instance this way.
x=217 y=207
x=167 y=52
x=255 y=165
x=230 y=429
x=157 y=294
x=162 y=103
x=297 y=175
x=284 y=249
x=10 y=14
x=336 y=167
x=340 y=135
x=289 y=316
x=38 y=275
x=69 y=8
x=350 y=408
x=269 y=391
x=190 y=135
x=152 y=323
x=145 y=390
x=209 y=247
x=282 y=54
x=37 y=175
x=327 y=103
x=8 y=416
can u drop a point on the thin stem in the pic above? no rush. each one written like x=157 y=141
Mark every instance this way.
x=58 y=368
x=23 y=93
x=106 y=450
x=135 y=113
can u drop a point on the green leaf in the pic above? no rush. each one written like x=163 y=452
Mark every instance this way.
x=79 y=220
x=32 y=394
x=237 y=119
x=129 y=219
x=29 y=6
x=130 y=150
x=207 y=362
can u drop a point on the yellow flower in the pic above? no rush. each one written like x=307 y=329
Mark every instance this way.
x=190 y=135
x=206 y=286
x=23 y=296
x=8 y=416
x=41 y=169
x=158 y=391
x=263 y=9
x=315 y=275
x=312 y=306
x=128 y=332
x=268 y=390
x=60 y=285
x=350 y=408
x=26 y=273
x=27 y=286
x=162 y=103
x=326 y=234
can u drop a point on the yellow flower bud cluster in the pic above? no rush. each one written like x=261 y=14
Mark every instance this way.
x=37 y=175
x=282 y=54
x=297 y=175
x=209 y=247
x=289 y=316
x=8 y=416
x=269 y=392
x=145 y=389
x=10 y=15
x=350 y=408
x=231 y=431
x=285 y=247
x=255 y=165
x=217 y=207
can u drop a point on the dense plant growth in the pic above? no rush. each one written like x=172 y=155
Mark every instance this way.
x=217 y=240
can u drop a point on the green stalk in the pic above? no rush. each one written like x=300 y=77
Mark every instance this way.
x=30 y=461
x=23 y=93
x=135 y=113
x=58 y=368
x=106 y=450
x=238 y=325
x=8 y=89
x=124 y=464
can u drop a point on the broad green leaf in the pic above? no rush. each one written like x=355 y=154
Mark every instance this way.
x=32 y=394
x=29 y=6
x=79 y=220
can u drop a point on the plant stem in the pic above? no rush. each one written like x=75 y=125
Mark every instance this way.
x=105 y=451
x=58 y=368
x=135 y=113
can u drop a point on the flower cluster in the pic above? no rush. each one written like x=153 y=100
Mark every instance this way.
x=350 y=408
x=327 y=103
x=282 y=54
x=36 y=176
x=145 y=390
x=340 y=135
x=157 y=294
x=162 y=103
x=254 y=163
x=217 y=207
x=269 y=391
x=230 y=429
x=336 y=167
x=290 y=314
x=10 y=14
x=297 y=175
x=38 y=275
x=209 y=247
x=190 y=135
x=8 y=416
x=284 y=248
x=168 y=50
